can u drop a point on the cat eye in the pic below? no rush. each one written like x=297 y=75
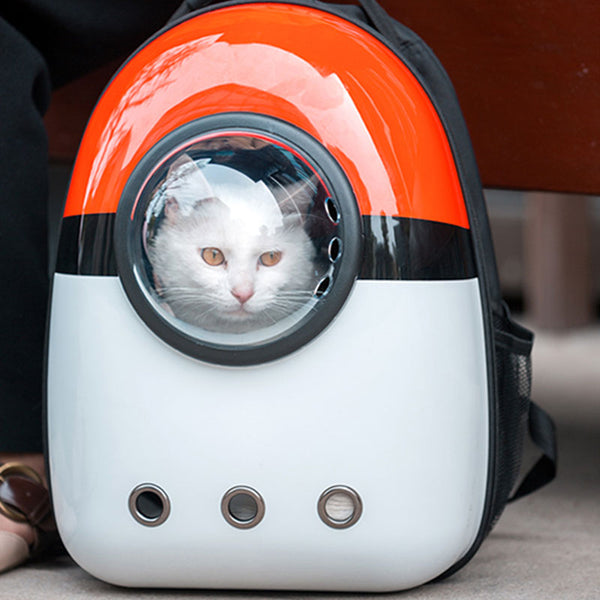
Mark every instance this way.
x=212 y=256
x=270 y=259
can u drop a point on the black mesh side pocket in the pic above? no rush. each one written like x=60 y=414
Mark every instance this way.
x=513 y=345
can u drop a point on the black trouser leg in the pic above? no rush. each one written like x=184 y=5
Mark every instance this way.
x=42 y=43
x=24 y=95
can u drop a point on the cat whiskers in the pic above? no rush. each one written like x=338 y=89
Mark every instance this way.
x=195 y=316
x=175 y=293
x=184 y=301
x=288 y=301
x=201 y=308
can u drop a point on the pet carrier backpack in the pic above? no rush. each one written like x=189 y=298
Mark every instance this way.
x=278 y=357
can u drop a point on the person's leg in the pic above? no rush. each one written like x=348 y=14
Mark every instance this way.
x=43 y=43
x=24 y=95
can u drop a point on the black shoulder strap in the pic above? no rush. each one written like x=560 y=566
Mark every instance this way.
x=379 y=18
x=543 y=434
x=381 y=21
x=188 y=6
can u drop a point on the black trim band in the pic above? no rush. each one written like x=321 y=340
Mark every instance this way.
x=394 y=248
x=415 y=250
x=85 y=245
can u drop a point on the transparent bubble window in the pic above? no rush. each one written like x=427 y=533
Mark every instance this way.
x=235 y=241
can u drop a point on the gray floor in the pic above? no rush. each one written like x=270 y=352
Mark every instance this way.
x=546 y=546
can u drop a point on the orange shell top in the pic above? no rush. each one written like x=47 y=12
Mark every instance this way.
x=302 y=65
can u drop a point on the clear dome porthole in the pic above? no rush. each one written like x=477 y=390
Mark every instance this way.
x=234 y=240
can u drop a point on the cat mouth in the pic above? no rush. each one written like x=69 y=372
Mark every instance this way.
x=239 y=313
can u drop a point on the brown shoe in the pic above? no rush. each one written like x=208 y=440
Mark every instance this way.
x=24 y=499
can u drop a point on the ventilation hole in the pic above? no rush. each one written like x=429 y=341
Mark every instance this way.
x=334 y=249
x=339 y=507
x=323 y=286
x=332 y=211
x=243 y=507
x=149 y=505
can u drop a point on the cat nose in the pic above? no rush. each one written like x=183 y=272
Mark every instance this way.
x=243 y=294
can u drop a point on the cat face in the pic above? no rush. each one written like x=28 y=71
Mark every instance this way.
x=234 y=259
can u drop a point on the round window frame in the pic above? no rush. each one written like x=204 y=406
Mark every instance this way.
x=129 y=252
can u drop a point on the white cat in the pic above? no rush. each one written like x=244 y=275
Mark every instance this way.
x=229 y=256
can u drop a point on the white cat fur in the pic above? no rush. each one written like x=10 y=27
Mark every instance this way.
x=214 y=206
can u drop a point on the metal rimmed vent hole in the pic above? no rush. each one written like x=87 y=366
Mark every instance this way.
x=243 y=507
x=332 y=211
x=323 y=286
x=339 y=507
x=149 y=505
x=335 y=248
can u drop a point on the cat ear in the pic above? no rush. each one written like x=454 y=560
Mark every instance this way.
x=297 y=198
x=171 y=210
x=182 y=166
x=186 y=184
